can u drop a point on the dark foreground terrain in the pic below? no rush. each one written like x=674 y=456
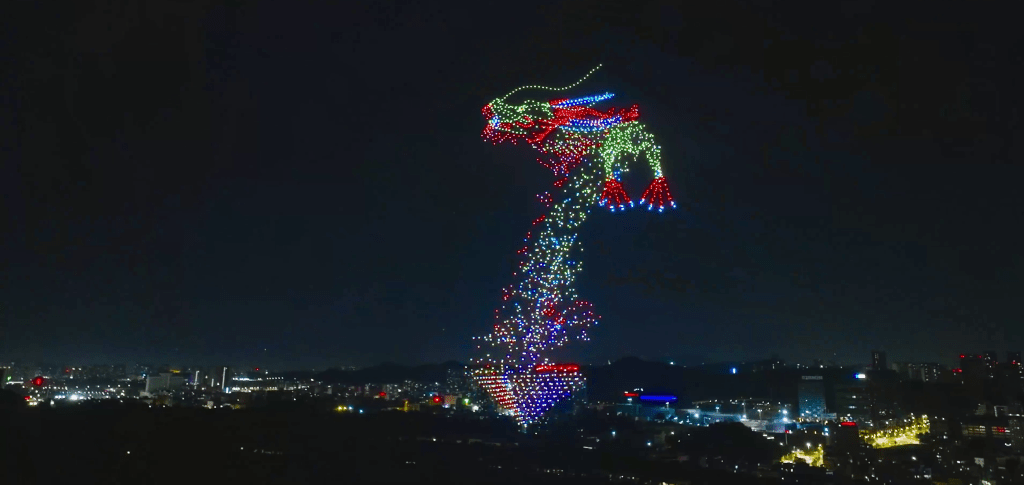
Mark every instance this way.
x=130 y=442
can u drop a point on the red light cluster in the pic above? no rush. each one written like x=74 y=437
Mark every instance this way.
x=657 y=194
x=631 y=394
x=614 y=195
x=563 y=117
x=496 y=385
x=38 y=381
x=847 y=423
x=436 y=399
x=383 y=394
x=957 y=371
x=546 y=368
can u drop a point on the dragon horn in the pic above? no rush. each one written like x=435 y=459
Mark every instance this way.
x=577 y=83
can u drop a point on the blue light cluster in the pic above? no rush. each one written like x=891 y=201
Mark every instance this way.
x=660 y=208
x=621 y=207
x=587 y=126
x=602 y=123
x=658 y=397
x=583 y=101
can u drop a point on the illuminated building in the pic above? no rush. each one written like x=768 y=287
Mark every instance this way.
x=811 y=394
x=650 y=405
x=164 y=381
x=878 y=360
x=1013 y=358
x=1017 y=434
x=846 y=436
x=918 y=371
x=853 y=398
x=973 y=368
x=987 y=427
x=883 y=387
x=991 y=358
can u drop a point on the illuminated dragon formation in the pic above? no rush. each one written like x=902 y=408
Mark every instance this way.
x=588 y=150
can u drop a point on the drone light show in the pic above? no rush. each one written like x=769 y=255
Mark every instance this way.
x=588 y=150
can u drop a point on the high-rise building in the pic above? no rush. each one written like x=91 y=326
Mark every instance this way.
x=921 y=371
x=1013 y=357
x=1017 y=434
x=847 y=436
x=878 y=360
x=991 y=359
x=853 y=399
x=811 y=393
x=973 y=367
x=164 y=381
x=884 y=389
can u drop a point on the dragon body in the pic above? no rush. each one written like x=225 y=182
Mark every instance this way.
x=588 y=150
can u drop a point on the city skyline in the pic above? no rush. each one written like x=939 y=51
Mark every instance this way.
x=952 y=363
x=567 y=242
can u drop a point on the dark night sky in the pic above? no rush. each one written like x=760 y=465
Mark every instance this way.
x=198 y=182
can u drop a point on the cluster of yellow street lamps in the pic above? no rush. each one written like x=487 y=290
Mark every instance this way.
x=906 y=434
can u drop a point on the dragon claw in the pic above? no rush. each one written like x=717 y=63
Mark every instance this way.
x=614 y=195
x=658 y=194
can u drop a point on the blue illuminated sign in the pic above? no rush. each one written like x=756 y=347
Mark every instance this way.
x=655 y=397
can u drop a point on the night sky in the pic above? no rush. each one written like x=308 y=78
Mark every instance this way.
x=277 y=184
